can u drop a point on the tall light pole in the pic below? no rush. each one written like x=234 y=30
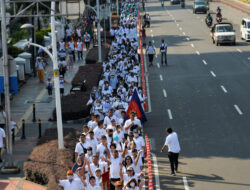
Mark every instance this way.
x=56 y=79
x=99 y=31
x=6 y=91
x=117 y=7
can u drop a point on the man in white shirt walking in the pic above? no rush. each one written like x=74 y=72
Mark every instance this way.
x=151 y=52
x=173 y=145
x=163 y=50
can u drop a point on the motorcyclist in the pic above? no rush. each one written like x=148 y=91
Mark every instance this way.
x=182 y=3
x=218 y=11
x=209 y=19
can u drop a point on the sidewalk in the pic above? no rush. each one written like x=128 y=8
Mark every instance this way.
x=21 y=108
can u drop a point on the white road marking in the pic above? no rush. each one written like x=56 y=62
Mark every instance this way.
x=192 y=45
x=248 y=58
x=185 y=183
x=177 y=24
x=214 y=75
x=197 y=52
x=153 y=41
x=223 y=88
x=180 y=28
x=158 y=65
x=161 y=78
x=170 y=114
x=205 y=63
x=239 y=50
x=156 y=172
x=184 y=33
x=201 y=20
x=188 y=39
x=238 y=110
x=151 y=30
x=164 y=93
x=156 y=55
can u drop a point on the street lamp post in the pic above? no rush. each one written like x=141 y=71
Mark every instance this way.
x=10 y=165
x=56 y=79
x=99 y=31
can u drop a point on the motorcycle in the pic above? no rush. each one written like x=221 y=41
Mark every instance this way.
x=182 y=4
x=218 y=18
x=209 y=21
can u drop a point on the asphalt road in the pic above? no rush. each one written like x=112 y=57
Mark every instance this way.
x=203 y=95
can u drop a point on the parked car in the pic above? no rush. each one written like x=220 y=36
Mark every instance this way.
x=245 y=29
x=175 y=2
x=223 y=33
x=200 y=7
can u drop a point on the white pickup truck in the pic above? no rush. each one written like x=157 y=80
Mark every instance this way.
x=223 y=33
x=245 y=29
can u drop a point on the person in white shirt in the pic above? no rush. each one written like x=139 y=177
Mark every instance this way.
x=71 y=183
x=108 y=118
x=61 y=85
x=163 y=50
x=131 y=123
x=81 y=147
x=99 y=131
x=87 y=39
x=2 y=141
x=92 y=142
x=114 y=162
x=92 y=184
x=140 y=143
x=79 y=49
x=173 y=145
x=40 y=66
x=150 y=50
x=72 y=49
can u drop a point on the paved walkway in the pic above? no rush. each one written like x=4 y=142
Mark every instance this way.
x=21 y=108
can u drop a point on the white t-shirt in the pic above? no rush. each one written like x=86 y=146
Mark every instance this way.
x=90 y=187
x=92 y=143
x=79 y=46
x=76 y=184
x=80 y=147
x=2 y=135
x=115 y=167
x=101 y=149
x=173 y=143
x=128 y=122
x=99 y=132
x=151 y=49
x=140 y=142
x=126 y=178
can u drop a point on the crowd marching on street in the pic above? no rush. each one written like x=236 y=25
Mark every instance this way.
x=110 y=140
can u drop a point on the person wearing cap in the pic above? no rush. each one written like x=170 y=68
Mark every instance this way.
x=110 y=135
x=118 y=185
x=173 y=145
x=81 y=147
x=70 y=183
x=132 y=185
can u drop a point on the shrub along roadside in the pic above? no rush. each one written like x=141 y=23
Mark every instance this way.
x=45 y=160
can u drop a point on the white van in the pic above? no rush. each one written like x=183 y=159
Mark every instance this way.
x=245 y=29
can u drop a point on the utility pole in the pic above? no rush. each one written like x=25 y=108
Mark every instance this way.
x=99 y=31
x=6 y=84
x=56 y=78
x=117 y=7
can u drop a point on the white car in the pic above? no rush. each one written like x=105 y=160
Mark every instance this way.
x=245 y=29
x=223 y=33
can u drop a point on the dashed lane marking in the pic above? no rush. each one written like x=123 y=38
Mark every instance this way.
x=170 y=114
x=164 y=93
x=205 y=63
x=188 y=39
x=185 y=183
x=192 y=45
x=214 y=75
x=197 y=52
x=223 y=88
x=161 y=78
x=158 y=65
x=239 y=50
x=238 y=109
x=184 y=33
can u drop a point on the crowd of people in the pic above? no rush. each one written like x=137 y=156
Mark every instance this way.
x=112 y=141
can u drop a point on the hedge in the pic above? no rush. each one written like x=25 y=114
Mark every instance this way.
x=92 y=55
x=45 y=160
